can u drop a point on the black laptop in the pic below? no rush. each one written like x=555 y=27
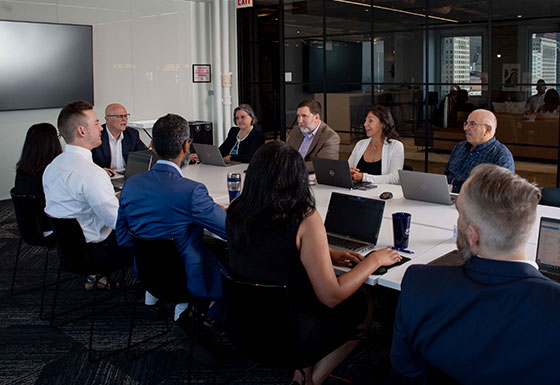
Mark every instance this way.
x=334 y=172
x=548 y=248
x=138 y=162
x=353 y=223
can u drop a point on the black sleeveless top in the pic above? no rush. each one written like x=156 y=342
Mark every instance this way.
x=270 y=257
x=373 y=168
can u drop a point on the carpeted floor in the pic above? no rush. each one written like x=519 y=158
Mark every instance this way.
x=31 y=352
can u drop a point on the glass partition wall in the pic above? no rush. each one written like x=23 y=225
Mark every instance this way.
x=431 y=62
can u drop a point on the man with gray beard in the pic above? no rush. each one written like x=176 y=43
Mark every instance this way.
x=493 y=320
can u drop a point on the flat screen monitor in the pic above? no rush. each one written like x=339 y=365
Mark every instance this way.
x=44 y=65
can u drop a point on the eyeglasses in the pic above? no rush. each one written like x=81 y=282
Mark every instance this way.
x=472 y=124
x=125 y=116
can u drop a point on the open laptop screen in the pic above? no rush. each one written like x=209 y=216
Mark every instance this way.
x=138 y=162
x=548 y=248
x=355 y=217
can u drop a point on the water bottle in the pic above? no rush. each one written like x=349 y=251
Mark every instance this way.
x=233 y=185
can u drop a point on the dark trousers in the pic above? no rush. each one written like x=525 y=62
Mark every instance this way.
x=107 y=256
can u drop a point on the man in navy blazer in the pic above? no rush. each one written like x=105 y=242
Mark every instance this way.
x=161 y=203
x=116 y=140
x=495 y=319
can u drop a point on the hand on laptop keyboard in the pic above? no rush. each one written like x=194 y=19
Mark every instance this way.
x=345 y=258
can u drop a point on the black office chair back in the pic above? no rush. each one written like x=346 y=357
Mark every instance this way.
x=161 y=269
x=259 y=321
x=71 y=245
x=550 y=196
x=28 y=218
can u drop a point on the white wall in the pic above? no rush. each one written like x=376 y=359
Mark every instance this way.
x=143 y=53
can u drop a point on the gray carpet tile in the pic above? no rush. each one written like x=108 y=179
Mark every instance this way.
x=31 y=352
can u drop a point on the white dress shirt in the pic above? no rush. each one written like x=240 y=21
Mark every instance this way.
x=392 y=160
x=115 y=145
x=75 y=187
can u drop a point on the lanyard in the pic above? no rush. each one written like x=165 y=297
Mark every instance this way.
x=465 y=165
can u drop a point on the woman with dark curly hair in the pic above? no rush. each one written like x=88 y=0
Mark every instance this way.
x=276 y=236
x=41 y=146
x=378 y=158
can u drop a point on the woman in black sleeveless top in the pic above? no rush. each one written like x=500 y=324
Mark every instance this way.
x=276 y=236
x=41 y=146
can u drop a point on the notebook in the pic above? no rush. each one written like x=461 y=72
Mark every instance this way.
x=548 y=248
x=422 y=186
x=335 y=172
x=353 y=223
x=138 y=162
x=210 y=154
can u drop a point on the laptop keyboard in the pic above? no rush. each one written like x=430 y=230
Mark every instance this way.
x=345 y=243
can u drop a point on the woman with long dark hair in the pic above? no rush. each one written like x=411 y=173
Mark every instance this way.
x=276 y=236
x=378 y=158
x=41 y=146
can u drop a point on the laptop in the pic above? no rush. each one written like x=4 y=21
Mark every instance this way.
x=335 y=172
x=548 y=248
x=353 y=222
x=422 y=186
x=138 y=162
x=210 y=154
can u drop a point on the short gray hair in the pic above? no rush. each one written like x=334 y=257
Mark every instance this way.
x=249 y=110
x=501 y=205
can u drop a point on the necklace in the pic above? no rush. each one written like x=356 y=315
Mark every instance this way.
x=376 y=146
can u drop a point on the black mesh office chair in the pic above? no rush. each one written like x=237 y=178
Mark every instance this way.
x=258 y=320
x=28 y=218
x=73 y=253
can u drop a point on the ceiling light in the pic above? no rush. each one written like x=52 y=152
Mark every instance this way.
x=398 y=10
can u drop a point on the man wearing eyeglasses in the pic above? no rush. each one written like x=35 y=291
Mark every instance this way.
x=479 y=147
x=116 y=140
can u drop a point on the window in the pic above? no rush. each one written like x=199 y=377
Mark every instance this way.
x=545 y=58
x=464 y=63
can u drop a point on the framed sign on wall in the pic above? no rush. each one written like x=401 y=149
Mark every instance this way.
x=201 y=73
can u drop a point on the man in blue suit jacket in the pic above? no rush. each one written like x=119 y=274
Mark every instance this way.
x=495 y=319
x=116 y=140
x=161 y=203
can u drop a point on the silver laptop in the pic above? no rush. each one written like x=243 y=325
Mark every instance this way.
x=210 y=154
x=422 y=186
x=335 y=172
x=138 y=162
x=353 y=223
x=548 y=248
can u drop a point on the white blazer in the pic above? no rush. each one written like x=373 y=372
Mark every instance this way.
x=392 y=160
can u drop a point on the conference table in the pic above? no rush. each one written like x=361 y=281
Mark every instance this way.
x=431 y=230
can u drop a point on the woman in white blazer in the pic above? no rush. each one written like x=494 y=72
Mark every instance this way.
x=378 y=158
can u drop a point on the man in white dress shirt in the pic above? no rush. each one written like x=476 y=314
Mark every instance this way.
x=116 y=140
x=75 y=187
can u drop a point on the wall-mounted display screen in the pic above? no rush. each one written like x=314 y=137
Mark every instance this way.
x=44 y=65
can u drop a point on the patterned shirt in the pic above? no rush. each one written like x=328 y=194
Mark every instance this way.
x=463 y=160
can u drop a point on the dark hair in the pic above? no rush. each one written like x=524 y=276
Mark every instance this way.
x=41 y=146
x=551 y=96
x=170 y=133
x=276 y=193
x=249 y=110
x=70 y=117
x=313 y=105
x=387 y=122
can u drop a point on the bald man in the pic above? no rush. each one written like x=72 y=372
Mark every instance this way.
x=116 y=140
x=480 y=147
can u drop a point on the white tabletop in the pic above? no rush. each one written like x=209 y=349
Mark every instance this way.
x=142 y=123
x=431 y=231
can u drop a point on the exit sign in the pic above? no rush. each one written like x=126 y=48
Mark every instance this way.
x=244 y=3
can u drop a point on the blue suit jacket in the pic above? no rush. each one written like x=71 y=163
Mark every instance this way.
x=131 y=142
x=487 y=322
x=161 y=203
